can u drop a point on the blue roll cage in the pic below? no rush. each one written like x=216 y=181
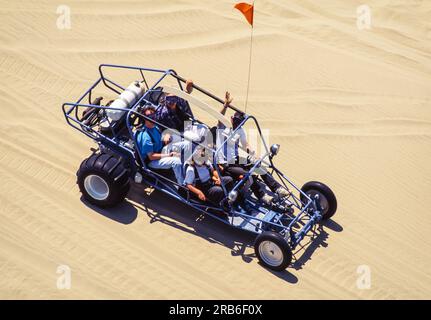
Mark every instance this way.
x=292 y=227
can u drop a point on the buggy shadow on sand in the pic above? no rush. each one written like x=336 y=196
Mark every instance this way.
x=104 y=178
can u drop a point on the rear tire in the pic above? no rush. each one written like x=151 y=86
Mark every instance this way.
x=103 y=180
x=273 y=251
x=328 y=201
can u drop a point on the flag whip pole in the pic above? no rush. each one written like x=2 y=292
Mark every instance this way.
x=248 y=11
x=249 y=68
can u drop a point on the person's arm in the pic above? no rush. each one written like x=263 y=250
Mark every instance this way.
x=166 y=139
x=248 y=148
x=183 y=111
x=227 y=101
x=197 y=192
x=189 y=180
x=216 y=177
x=244 y=142
x=189 y=86
x=157 y=156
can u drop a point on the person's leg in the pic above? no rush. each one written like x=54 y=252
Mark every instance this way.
x=227 y=182
x=257 y=189
x=270 y=181
x=185 y=148
x=173 y=163
x=274 y=185
x=215 y=194
x=234 y=171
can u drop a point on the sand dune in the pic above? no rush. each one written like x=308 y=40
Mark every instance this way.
x=349 y=107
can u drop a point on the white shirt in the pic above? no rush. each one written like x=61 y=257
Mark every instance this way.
x=203 y=172
x=229 y=152
x=196 y=132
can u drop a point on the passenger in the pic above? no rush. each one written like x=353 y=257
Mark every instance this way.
x=175 y=111
x=150 y=144
x=198 y=133
x=203 y=180
x=232 y=164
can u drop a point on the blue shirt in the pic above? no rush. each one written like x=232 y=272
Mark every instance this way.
x=148 y=141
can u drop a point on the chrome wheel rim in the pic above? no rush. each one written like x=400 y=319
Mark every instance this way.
x=324 y=204
x=271 y=253
x=96 y=187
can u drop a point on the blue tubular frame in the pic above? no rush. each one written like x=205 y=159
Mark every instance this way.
x=309 y=210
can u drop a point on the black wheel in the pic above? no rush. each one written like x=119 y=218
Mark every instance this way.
x=273 y=251
x=328 y=201
x=103 y=180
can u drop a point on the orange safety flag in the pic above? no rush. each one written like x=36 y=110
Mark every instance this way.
x=247 y=11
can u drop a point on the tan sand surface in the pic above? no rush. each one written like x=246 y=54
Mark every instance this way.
x=351 y=108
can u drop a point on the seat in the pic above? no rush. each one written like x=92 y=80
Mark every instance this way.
x=155 y=96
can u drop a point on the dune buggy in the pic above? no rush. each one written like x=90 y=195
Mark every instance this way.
x=104 y=178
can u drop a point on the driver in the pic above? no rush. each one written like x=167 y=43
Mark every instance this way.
x=233 y=165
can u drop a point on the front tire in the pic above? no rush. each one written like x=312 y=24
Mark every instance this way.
x=328 y=201
x=103 y=180
x=273 y=251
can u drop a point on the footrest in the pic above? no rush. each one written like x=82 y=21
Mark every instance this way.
x=269 y=216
